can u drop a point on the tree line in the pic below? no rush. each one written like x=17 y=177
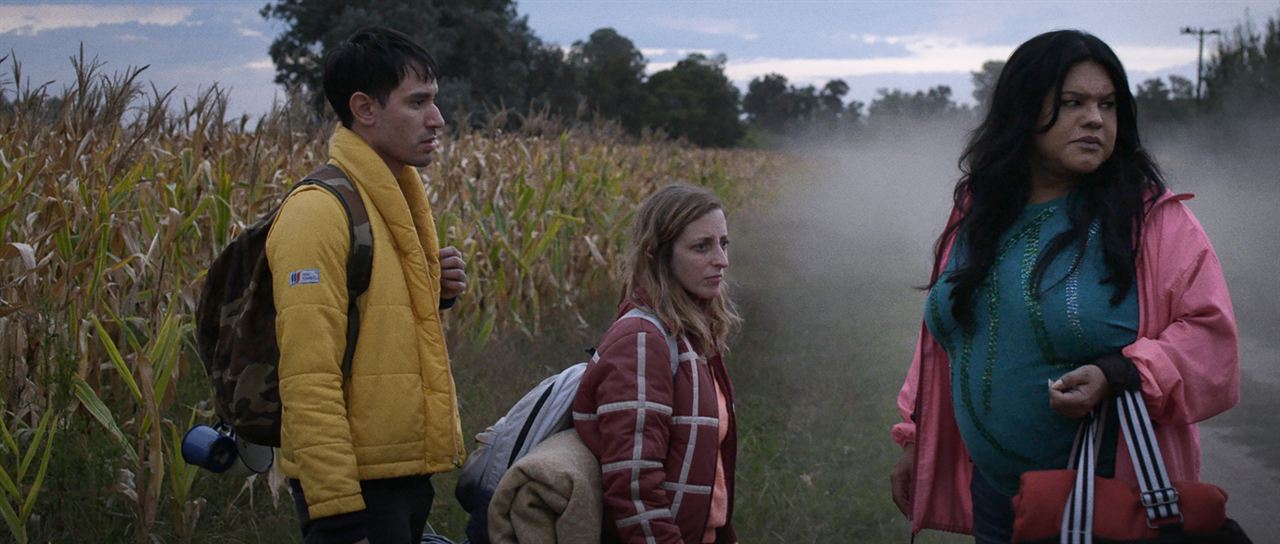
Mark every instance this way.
x=490 y=59
x=1241 y=78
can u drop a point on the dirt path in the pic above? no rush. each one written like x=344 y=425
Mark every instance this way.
x=1253 y=486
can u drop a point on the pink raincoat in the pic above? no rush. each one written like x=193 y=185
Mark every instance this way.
x=1186 y=353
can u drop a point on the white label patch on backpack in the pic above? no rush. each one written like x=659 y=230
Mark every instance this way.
x=306 y=276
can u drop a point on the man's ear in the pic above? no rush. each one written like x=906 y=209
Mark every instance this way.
x=362 y=107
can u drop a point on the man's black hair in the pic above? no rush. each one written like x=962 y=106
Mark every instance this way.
x=373 y=61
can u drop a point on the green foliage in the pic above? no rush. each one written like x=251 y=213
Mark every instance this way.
x=984 y=82
x=20 y=480
x=490 y=60
x=1244 y=73
x=485 y=52
x=553 y=84
x=803 y=104
x=1160 y=103
x=610 y=75
x=775 y=108
x=831 y=108
x=694 y=100
x=768 y=102
x=931 y=103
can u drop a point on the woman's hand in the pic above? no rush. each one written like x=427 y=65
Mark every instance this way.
x=1076 y=393
x=900 y=479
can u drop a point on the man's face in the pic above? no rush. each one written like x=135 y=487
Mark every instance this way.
x=404 y=130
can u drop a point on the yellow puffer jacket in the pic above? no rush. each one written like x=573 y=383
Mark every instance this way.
x=398 y=413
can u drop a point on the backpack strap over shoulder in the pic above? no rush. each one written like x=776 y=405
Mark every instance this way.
x=360 y=262
x=641 y=313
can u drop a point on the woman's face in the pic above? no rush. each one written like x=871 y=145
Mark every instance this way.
x=701 y=254
x=1085 y=133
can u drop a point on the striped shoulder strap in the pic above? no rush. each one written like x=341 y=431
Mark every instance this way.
x=360 y=262
x=640 y=313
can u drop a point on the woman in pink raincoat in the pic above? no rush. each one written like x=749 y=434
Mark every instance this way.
x=1067 y=273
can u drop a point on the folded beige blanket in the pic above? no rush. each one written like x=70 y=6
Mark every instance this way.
x=550 y=496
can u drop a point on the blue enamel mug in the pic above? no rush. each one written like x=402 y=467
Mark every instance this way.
x=210 y=448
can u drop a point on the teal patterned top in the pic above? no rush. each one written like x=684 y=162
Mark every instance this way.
x=1000 y=367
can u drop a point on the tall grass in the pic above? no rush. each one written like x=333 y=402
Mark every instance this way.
x=114 y=198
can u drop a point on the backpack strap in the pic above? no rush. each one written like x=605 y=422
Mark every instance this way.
x=360 y=262
x=645 y=314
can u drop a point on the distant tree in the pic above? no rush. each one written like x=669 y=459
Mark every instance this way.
x=767 y=102
x=695 y=100
x=1152 y=91
x=773 y=105
x=484 y=50
x=934 y=102
x=984 y=82
x=1244 y=73
x=853 y=115
x=553 y=82
x=1160 y=103
x=831 y=101
x=610 y=75
x=803 y=104
x=1181 y=88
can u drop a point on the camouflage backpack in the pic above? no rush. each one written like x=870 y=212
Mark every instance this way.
x=236 y=319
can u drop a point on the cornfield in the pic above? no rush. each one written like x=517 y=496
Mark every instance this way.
x=114 y=198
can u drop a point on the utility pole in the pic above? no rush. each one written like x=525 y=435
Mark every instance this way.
x=1200 y=31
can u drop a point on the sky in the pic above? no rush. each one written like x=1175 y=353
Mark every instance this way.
x=909 y=45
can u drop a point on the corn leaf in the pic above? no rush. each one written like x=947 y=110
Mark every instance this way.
x=163 y=352
x=35 y=445
x=102 y=414
x=9 y=442
x=16 y=527
x=181 y=474
x=10 y=488
x=39 y=481
x=113 y=354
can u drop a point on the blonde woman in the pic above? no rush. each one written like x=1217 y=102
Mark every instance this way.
x=666 y=440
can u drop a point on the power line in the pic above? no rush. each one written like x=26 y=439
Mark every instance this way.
x=1201 y=32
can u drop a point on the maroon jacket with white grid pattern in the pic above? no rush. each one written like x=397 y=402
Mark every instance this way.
x=656 y=435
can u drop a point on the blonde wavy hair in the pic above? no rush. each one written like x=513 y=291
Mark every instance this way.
x=658 y=223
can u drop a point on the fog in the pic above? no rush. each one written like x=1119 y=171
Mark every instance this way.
x=828 y=273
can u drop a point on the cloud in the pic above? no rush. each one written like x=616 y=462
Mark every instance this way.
x=687 y=52
x=131 y=38
x=715 y=27
x=650 y=52
x=265 y=64
x=655 y=67
x=1145 y=58
x=34 y=19
x=249 y=32
x=928 y=55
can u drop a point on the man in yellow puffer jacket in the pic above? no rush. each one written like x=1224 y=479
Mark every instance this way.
x=359 y=452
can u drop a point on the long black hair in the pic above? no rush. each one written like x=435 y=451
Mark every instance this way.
x=996 y=171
